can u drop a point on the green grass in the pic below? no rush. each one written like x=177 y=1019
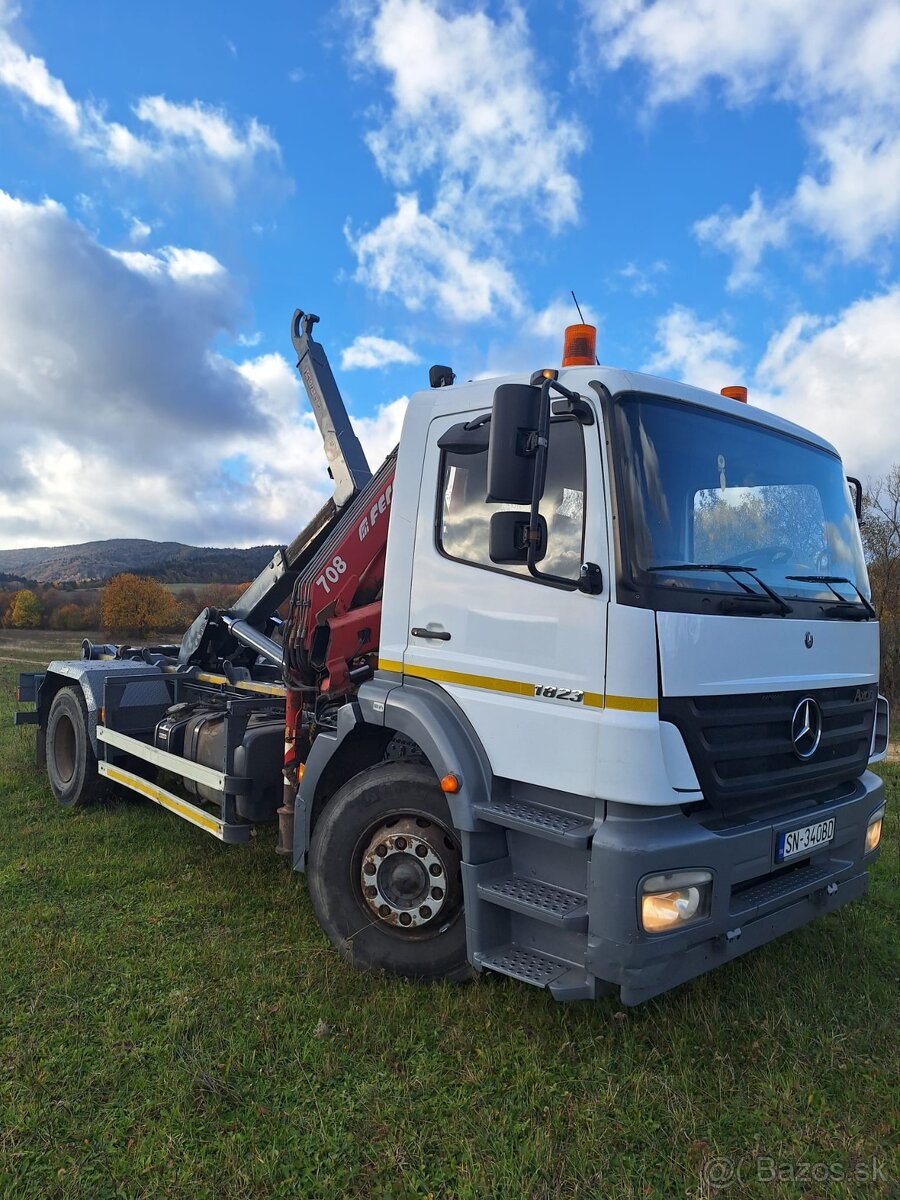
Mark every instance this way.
x=173 y=1024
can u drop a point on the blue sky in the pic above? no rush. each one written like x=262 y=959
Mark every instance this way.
x=719 y=183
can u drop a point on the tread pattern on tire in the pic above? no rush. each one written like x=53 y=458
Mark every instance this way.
x=386 y=789
x=87 y=785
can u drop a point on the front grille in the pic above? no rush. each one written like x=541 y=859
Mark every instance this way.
x=742 y=751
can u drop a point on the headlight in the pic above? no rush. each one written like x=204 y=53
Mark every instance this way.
x=873 y=830
x=675 y=898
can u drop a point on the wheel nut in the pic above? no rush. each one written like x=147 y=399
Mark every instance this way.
x=425 y=911
x=436 y=893
x=400 y=843
x=371 y=891
x=385 y=910
x=405 y=918
x=369 y=868
x=381 y=850
x=421 y=850
x=436 y=869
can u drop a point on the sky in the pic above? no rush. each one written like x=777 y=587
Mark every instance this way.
x=719 y=183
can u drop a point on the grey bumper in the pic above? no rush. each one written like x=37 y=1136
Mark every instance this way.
x=754 y=898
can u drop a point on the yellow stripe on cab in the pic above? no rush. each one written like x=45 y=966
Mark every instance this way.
x=511 y=686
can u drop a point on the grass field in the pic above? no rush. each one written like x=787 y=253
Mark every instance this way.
x=173 y=1024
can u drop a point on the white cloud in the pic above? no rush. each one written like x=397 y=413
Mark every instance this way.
x=745 y=237
x=856 y=202
x=187 y=264
x=368 y=352
x=640 y=280
x=835 y=375
x=466 y=100
x=28 y=75
x=208 y=129
x=838 y=376
x=250 y=339
x=217 y=150
x=139 y=231
x=178 y=263
x=470 y=115
x=380 y=433
x=837 y=64
x=122 y=420
x=800 y=50
x=696 y=351
x=412 y=256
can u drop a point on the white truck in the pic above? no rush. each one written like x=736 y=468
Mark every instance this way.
x=581 y=686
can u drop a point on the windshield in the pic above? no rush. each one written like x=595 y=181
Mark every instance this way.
x=701 y=487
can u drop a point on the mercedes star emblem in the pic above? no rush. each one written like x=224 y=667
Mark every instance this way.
x=806 y=728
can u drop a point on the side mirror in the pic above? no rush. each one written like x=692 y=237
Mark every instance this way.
x=512 y=448
x=508 y=542
x=856 y=492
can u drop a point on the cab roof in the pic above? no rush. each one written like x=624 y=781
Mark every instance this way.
x=478 y=393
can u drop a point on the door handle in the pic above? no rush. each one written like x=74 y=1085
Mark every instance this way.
x=439 y=635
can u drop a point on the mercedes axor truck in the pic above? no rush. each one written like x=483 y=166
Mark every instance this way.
x=579 y=686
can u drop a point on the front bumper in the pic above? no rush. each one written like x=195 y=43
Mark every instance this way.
x=754 y=899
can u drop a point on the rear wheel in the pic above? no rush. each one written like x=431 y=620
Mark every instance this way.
x=384 y=874
x=71 y=761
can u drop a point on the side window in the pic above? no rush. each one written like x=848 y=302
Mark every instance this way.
x=465 y=516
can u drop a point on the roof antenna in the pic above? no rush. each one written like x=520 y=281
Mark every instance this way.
x=582 y=320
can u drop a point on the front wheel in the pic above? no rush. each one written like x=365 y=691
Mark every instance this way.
x=384 y=874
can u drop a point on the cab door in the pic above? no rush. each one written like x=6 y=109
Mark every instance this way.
x=525 y=660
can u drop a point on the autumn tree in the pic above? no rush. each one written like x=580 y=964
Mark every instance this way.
x=25 y=611
x=74 y=616
x=217 y=595
x=135 y=604
x=723 y=528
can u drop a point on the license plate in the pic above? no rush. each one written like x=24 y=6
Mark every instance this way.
x=805 y=840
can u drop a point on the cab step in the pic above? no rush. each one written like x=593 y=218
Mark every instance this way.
x=537 y=899
x=568 y=829
x=564 y=981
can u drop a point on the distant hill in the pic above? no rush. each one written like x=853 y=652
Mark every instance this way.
x=170 y=562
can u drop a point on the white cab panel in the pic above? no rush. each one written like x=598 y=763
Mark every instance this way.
x=716 y=655
x=510 y=635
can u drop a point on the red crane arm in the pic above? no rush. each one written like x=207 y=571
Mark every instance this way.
x=335 y=617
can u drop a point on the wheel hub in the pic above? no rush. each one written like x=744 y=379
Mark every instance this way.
x=407 y=870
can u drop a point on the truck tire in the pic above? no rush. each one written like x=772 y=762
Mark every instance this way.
x=71 y=762
x=384 y=874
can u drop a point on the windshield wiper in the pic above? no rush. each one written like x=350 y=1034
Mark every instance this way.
x=729 y=568
x=830 y=581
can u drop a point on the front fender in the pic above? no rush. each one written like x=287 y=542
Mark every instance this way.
x=424 y=713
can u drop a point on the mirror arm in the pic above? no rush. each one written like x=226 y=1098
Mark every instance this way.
x=542 y=442
x=857 y=496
